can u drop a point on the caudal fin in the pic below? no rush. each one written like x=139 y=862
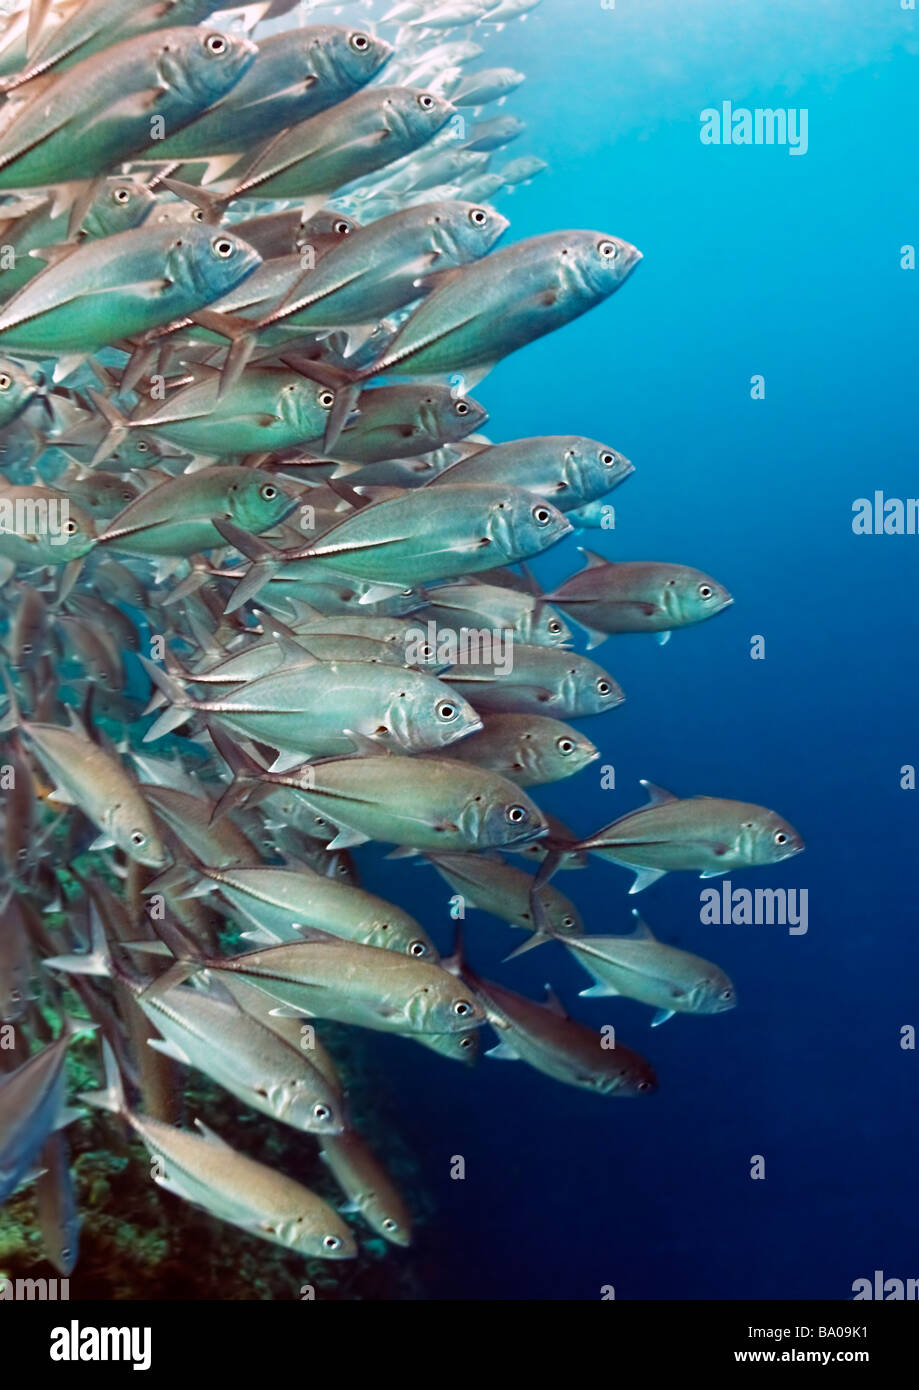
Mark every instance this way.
x=111 y=1097
x=181 y=705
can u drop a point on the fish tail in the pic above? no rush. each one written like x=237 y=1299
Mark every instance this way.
x=266 y=561
x=242 y=336
x=456 y=961
x=13 y=717
x=346 y=384
x=211 y=204
x=188 y=959
x=537 y=938
x=247 y=787
x=111 y=1097
x=181 y=706
x=95 y=961
x=117 y=426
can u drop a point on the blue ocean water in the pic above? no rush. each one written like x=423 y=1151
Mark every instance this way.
x=756 y=262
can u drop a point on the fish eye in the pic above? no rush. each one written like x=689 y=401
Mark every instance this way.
x=70 y=526
x=332 y=1242
x=6 y=381
x=138 y=838
x=417 y=948
x=604 y=687
x=644 y=1086
x=554 y=625
x=142 y=448
x=359 y=42
x=268 y=492
x=342 y=227
x=516 y=814
x=326 y=399
x=608 y=459
x=705 y=591
x=462 y=1008
x=26 y=648
x=22 y=853
x=426 y=102
x=478 y=217
x=565 y=745
x=197 y=215
x=121 y=195
x=223 y=247
x=780 y=837
x=461 y=407
x=608 y=250
x=389 y=1224
x=216 y=45
x=727 y=994
x=466 y=1042
x=542 y=516
x=321 y=1112
x=446 y=710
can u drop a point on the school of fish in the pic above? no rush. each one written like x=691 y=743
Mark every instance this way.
x=266 y=594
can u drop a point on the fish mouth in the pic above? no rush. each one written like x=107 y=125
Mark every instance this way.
x=526 y=836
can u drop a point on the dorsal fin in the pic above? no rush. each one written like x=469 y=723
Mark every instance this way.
x=642 y=931
x=657 y=796
x=554 y=1004
x=594 y=561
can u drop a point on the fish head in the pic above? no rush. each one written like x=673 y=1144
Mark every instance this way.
x=120 y=205
x=414 y=115
x=326 y=1236
x=690 y=596
x=133 y=830
x=424 y=715
x=396 y=931
x=712 y=993
x=596 y=264
x=592 y=689
x=503 y=818
x=328 y=222
x=305 y=405
x=591 y=469
x=76 y=534
x=548 y=628
x=627 y=1075
x=392 y=1219
x=561 y=914
x=204 y=64
x=138 y=450
x=572 y=751
x=259 y=500
x=465 y=1046
x=354 y=55
x=470 y=229
x=449 y=1006
x=521 y=525
x=446 y=417
x=767 y=838
x=17 y=388
x=209 y=261
x=296 y=1102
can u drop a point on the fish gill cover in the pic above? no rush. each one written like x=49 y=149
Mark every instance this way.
x=266 y=602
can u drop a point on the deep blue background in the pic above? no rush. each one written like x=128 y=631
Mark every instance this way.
x=755 y=262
